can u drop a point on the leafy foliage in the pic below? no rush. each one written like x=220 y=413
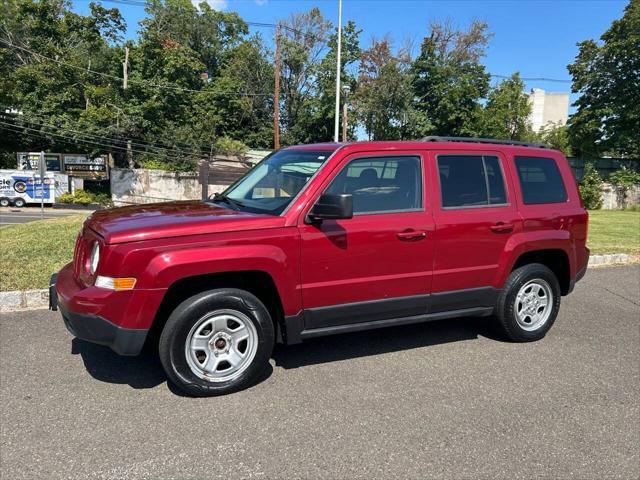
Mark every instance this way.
x=556 y=136
x=198 y=82
x=591 y=188
x=506 y=114
x=625 y=178
x=83 y=197
x=607 y=77
x=384 y=96
x=449 y=81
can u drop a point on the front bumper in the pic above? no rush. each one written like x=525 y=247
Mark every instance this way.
x=123 y=341
x=88 y=325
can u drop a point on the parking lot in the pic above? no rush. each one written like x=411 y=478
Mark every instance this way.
x=15 y=216
x=441 y=400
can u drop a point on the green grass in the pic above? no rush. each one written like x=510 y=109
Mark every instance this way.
x=614 y=231
x=31 y=252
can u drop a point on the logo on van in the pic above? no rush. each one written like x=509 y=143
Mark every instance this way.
x=20 y=186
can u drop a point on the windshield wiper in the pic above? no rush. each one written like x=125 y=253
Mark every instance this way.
x=235 y=204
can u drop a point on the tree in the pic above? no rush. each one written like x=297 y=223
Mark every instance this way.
x=606 y=74
x=555 y=136
x=384 y=93
x=506 y=113
x=60 y=93
x=449 y=80
x=304 y=43
x=310 y=107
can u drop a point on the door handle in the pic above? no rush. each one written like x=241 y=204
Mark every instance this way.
x=502 y=227
x=412 y=235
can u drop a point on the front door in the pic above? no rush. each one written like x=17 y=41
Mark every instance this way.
x=378 y=264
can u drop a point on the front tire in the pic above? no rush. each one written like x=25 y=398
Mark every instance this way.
x=217 y=342
x=529 y=303
x=19 y=203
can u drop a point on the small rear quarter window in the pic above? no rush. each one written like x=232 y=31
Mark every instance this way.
x=540 y=180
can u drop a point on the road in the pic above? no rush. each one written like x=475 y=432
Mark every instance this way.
x=14 y=216
x=441 y=400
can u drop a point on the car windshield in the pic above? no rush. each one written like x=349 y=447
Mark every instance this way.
x=273 y=183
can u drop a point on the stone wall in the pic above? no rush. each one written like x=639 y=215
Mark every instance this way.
x=150 y=186
x=613 y=197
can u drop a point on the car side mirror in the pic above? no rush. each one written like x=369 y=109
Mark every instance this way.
x=331 y=207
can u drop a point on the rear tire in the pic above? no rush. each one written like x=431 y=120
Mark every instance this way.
x=529 y=303
x=19 y=202
x=5 y=202
x=217 y=342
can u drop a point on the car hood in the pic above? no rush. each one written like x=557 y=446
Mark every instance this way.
x=174 y=219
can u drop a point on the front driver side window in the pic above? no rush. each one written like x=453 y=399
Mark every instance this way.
x=381 y=184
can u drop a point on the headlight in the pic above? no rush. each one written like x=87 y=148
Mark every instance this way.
x=95 y=258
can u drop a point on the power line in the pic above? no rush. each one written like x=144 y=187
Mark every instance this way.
x=141 y=144
x=532 y=79
x=202 y=150
x=172 y=153
x=20 y=129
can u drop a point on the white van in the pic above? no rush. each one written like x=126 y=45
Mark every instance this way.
x=20 y=187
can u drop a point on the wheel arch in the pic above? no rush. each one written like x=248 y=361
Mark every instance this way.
x=555 y=259
x=257 y=282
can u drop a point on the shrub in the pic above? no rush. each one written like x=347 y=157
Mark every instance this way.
x=591 y=188
x=82 y=197
x=625 y=178
x=176 y=165
x=230 y=147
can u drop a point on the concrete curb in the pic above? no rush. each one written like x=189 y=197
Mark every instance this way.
x=610 y=259
x=35 y=299
x=25 y=300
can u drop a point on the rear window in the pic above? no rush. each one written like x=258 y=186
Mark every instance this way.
x=540 y=180
x=471 y=181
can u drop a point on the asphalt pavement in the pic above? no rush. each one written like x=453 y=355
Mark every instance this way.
x=15 y=216
x=447 y=399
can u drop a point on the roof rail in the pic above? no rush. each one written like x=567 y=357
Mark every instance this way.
x=436 y=138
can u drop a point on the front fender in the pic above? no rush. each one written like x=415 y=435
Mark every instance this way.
x=166 y=268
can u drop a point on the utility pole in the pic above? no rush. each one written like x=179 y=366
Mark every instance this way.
x=125 y=66
x=125 y=84
x=276 y=96
x=344 y=121
x=338 y=64
x=346 y=89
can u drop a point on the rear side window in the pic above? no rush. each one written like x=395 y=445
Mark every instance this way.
x=540 y=180
x=471 y=181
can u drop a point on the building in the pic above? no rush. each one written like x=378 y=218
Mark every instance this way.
x=548 y=107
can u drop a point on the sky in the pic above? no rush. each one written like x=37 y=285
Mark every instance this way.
x=535 y=37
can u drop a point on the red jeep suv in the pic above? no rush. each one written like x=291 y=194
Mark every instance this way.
x=330 y=238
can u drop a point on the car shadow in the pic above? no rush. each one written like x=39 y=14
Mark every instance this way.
x=142 y=371
x=145 y=370
x=384 y=340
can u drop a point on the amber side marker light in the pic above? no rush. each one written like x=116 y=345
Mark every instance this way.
x=115 y=283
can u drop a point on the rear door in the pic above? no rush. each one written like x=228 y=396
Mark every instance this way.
x=475 y=214
x=376 y=265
